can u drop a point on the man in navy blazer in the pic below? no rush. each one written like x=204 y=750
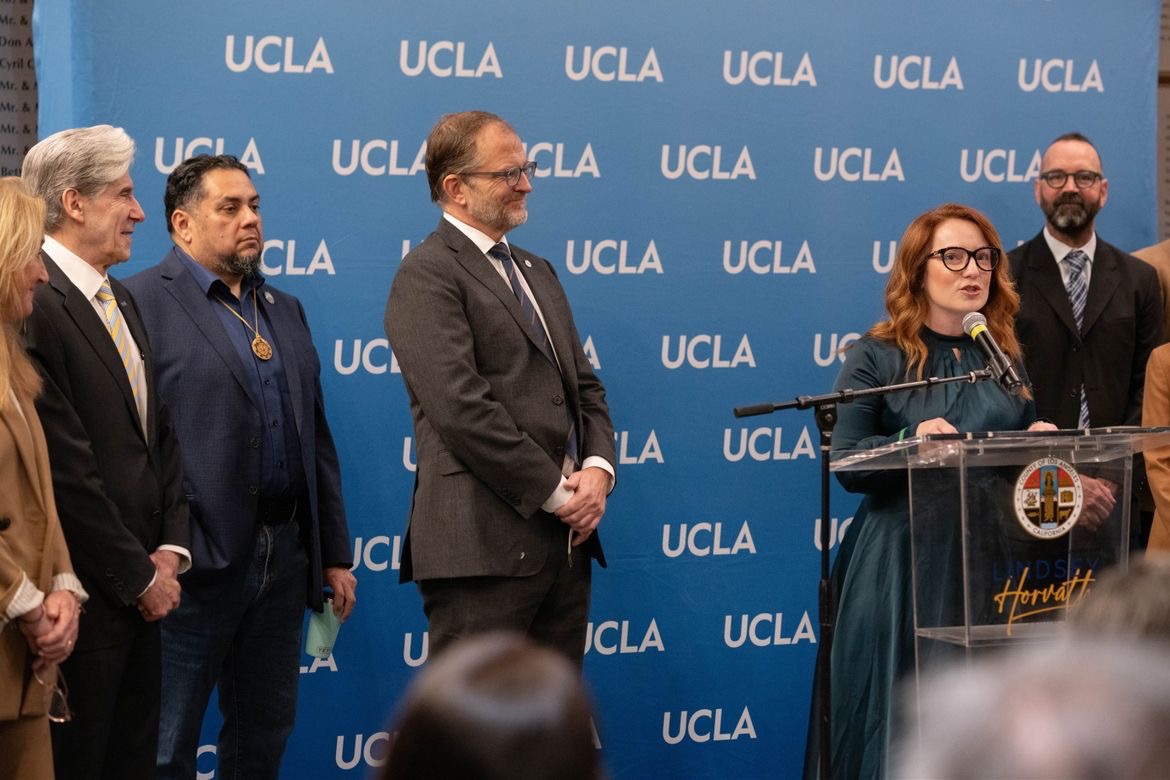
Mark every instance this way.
x=237 y=366
x=513 y=436
x=112 y=449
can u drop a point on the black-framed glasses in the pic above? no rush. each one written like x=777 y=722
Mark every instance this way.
x=511 y=175
x=956 y=258
x=1057 y=178
x=59 y=711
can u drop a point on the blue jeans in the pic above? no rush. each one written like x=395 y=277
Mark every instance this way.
x=248 y=642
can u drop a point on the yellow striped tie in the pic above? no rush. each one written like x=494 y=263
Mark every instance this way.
x=117 y=327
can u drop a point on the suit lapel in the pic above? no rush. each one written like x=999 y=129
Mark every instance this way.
x=476 y=264
x=186 y=291
x=86 y=318
x=543 y=289
x=138 y=333
x=1102 y=284
x=1044 y=276
x=285 y=320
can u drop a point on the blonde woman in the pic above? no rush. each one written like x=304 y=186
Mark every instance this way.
x=40 y=598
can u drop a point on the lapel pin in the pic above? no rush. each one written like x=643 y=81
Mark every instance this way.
x=268 y=297
x=528 y=263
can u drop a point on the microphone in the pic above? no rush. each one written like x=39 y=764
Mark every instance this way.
x=975 y=326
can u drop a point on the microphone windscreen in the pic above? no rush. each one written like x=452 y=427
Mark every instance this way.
x=971 y=321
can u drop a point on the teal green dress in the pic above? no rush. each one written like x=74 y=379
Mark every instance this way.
x=873 y=643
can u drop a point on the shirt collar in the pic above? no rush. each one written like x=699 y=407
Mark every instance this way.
x=84 y=276
x=207 y=280
x=1060 y=249
x=482 y=240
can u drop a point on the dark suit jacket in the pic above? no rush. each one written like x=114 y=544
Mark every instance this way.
x=1122 y=324
x=119 y=494
x=31 y=545
x=201 y=377
x=488 y=407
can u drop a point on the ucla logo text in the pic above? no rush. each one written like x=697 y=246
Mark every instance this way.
x=446 y=59
x=996 y=165
x=611 y=63
x=766 y=69
x=374 y=356
x=855 y=164
x=184 y=149
x=1059 y=76
x=766 y=444
x=915 y=72
x=276 y=250
x=274 y=54
x=830 y=350
x=541 y=152
x=377 y=157
x=766 y=630
x=705 y=162
x=706 y=351
x=766 y=257
x=704 y=539
x=611 y=636
x=609 y=256
x=705 y=725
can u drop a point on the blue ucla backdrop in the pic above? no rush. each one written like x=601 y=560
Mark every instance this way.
x=721 y=189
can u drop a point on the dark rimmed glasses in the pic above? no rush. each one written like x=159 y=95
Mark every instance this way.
x=59 y=711
x=1084 y=179
x=511 y=175
x=956 y=258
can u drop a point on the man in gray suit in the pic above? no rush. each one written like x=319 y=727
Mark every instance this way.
x=515 y=447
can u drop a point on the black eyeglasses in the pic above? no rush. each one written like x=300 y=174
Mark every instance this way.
x=1084 y=179
x=511 y=175
x=956 y=258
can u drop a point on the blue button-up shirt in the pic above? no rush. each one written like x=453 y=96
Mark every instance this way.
x=282 y=474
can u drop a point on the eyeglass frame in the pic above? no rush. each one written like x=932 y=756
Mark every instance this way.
x=940 y=254
x=529 y=169
x=1066 y=175
x=59 y=697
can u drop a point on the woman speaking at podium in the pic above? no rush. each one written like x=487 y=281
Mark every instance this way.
x=949 y=263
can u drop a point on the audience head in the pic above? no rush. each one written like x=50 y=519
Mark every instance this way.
x=1131 y=603
x=1063 y=710
x=495 y=706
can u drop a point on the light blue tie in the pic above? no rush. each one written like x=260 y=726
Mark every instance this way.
x=1078 y=293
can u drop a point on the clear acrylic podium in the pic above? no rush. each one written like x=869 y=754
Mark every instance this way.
x=1002 y=540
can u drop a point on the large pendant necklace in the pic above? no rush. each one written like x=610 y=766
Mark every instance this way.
x=260 y=347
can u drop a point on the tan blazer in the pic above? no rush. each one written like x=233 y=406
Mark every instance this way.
x=1156 y=411
x=1158 y=256
x=28 y=525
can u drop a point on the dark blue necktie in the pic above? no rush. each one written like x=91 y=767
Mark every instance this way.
x=528 y=309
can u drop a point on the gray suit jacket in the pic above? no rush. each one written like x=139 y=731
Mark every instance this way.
x=489 y=410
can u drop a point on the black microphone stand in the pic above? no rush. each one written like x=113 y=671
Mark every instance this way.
x=825 y=407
